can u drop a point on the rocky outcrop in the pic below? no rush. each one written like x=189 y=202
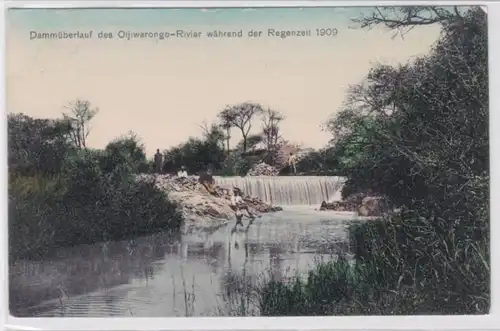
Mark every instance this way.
x=359 y=203
x=351 y=204
x=200 y=208
x=263 y=169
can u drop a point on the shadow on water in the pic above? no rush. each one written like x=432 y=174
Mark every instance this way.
x=85 y=269
x=203 y=274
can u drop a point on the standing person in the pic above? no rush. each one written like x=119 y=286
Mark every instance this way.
x=158 y=161
x=292 y=160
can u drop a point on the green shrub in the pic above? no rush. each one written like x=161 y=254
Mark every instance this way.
x=416 y=134
x=402 y=266
x=441 y=261
x=84 y=205
x=196 y=155
x=125 y=150
x=326 y=287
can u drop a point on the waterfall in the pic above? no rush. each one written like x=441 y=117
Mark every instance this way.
x=287 y=190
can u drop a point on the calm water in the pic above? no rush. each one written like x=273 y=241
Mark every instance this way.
x=195 y=275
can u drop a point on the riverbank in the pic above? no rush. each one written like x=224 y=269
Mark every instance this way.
x=82 y=207
x=200 y=209
x=391 y=274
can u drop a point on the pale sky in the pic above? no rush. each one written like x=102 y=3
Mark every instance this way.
x=163 y=89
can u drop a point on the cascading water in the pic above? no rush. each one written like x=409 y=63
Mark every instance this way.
x=287 y=190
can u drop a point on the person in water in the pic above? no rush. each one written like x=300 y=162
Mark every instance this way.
x=207 y=180
x=238 y=205
x=182 y=173
x=292 y=160
x=158 y=161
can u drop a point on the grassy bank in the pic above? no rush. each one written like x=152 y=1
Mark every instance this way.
x=402 y=266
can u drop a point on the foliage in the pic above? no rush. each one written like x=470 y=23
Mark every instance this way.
x=126 y=150
x=447 y=264
x=83 y=205
x=420 y=131
x=196 y=155
x=226 y=118
x=78 y=118
x=403 y=266
x=272 y=137
x=323 y=162
x=240 y=116
x=62 y=196
x=319 y=294
x=238 y=162
x=36 y=146
x=417 y=134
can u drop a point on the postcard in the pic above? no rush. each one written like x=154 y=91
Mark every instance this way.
x=302 y=161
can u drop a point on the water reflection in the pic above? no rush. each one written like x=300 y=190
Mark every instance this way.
x=159 y=276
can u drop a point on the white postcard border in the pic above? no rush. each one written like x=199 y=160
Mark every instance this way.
x=488 y=322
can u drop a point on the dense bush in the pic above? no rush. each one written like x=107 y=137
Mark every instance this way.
x=402 y=266
x=446 y=264
x=91 y=195
x=126 y=150
x=414 y=140
x=196 y=155
x=418 y=135
x=319 y=163
x=37 y=145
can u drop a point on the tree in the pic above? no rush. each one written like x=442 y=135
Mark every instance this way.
x=240 y=116
x=418 y=134
x=79 y=116
x=420 y=130
x=405 y=19
x=270 y=128
x=226 y=118
x=213 y=133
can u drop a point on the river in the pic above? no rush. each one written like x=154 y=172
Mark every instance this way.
x=195 y=275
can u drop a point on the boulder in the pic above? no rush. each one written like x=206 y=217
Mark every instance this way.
x=329 y=205
x=361 y=203
x=344 y=205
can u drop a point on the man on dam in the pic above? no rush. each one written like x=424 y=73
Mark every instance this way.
x=292 y=160
x=158 y=161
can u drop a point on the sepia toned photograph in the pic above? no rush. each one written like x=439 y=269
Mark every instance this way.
x=302 y=161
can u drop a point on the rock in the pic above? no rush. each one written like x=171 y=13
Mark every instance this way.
x=202 y=210
x=328 y=205
x=263 y=169
x=372 y=206
x=363 y=205
x=336 y=205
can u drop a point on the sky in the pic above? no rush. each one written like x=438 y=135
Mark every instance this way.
x=164 y=89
